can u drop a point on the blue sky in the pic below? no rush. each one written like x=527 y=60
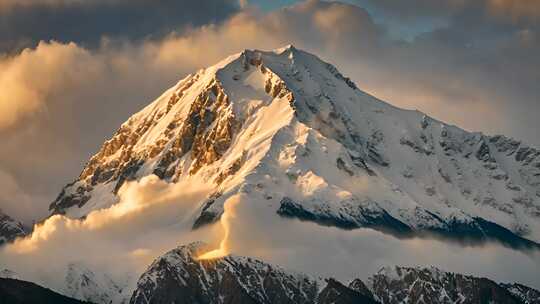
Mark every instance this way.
x=269 y=5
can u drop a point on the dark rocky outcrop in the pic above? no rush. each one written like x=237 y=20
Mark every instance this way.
x=337 y=293
x=474 y=231
x=21 y=292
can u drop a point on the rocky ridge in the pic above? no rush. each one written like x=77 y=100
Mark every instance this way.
x=179 y=277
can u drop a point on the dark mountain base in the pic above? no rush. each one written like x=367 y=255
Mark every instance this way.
x=21 y=292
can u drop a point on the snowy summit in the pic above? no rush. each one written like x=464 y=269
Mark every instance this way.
x=286 y=128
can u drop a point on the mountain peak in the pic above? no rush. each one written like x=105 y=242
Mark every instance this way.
x=288 y=115
x=179 y=277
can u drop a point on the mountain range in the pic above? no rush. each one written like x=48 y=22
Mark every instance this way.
x=288 y=132
x=179 y=277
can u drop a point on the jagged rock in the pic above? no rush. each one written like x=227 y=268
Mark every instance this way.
x=10 y=229
x=393 y=285
x=526 y=294
x=178 y=277
x=337 y=293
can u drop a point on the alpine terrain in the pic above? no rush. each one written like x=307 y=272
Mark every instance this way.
x=179 y=277
x=286 y=128
x=10 y=229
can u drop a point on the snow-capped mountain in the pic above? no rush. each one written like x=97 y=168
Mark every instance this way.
x=288 y=129
x=83 y=284
x=10 y=229
x=179 y=277
x=392 y=285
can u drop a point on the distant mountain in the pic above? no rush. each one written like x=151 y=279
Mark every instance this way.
x=178 y=277
x=10 y=229
x=526 y=294
x=20 y=292
x=287 y=129
x=393 y=285
x=84 y=284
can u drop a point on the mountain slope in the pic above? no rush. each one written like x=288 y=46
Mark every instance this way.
x=289 y=130
x=526 y=294
x=393 y=285
x=20 y=292
x=83 y=284
x=179 y=277
x=10 y=229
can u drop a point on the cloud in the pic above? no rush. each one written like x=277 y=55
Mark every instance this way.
x=515 y=8
x=25 y=82
x=327 y=251
x=507 y=9
x=25 y=23
x=15 y=202
x=151 y=218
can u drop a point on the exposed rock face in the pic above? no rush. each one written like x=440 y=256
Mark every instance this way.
x=431 y=285
x=178 y=277
x=526 y=294
x=337 y=293
x=289 y=116
x=10 y=229
x=206 y=130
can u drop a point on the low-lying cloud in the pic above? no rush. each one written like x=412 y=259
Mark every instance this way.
x=359 y=253
x=153 y=217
